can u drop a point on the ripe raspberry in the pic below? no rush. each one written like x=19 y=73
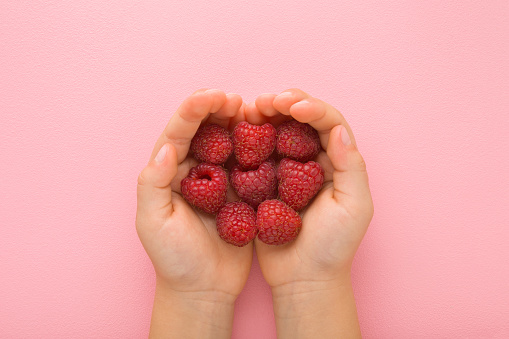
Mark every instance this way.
x=297 y=141
x=253 y=144
x=277 y=223
x=256 y=185
x=236 y=223
x=298 y=182
x=205 y=187
x=212 y=143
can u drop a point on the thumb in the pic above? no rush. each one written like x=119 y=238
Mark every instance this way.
x=350 y=177
x=154 y=190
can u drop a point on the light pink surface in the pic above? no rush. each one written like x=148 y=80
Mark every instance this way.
x=87 y=86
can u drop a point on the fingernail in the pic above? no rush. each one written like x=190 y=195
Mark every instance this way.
x=212 y=91
x=285 y=95
x=161 y=154
x=345 y=138
x=302 y=103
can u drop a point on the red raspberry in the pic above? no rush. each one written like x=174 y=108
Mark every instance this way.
x=257 y=185
x=212 y=143
x=236 y=223
x=297 y=141
x=277 y=223
x=205 y=187
x=253 y=144
x=298 y=182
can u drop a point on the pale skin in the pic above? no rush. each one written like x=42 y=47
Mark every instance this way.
x=198 y=276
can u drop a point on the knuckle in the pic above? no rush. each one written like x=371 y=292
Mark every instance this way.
x=179 y=142
x=146 y=177
x=360 y=163
x=141 y=179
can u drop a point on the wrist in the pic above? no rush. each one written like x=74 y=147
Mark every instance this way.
x=310 y=309
x=290 y=296
x=191 y=314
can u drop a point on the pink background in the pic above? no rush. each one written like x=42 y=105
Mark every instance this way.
x=87 y=86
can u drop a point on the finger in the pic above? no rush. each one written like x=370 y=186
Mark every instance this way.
x=319 y=114
x=323 y=159
x=183 y=170
x=253 y=116
x=239 y=116
x=350 y=178
x=154 y=190
x=264 y=104
x=227 y=111
x=186 y=120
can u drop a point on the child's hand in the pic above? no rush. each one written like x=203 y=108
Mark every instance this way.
x=307 y=272
x=198 y=275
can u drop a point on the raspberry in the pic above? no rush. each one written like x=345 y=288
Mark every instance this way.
x=298 y=182
x=236 y=223
x=205 y=187
x=253 y=144
x=257 y=185
x=277 y=223
x=212 y=143
x=297 y=141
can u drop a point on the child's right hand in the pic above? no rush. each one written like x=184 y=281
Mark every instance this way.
x=198 y=275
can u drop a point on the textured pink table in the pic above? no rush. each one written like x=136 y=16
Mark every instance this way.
x=87 y=86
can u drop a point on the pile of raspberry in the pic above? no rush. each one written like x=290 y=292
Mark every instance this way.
x=272 y=174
